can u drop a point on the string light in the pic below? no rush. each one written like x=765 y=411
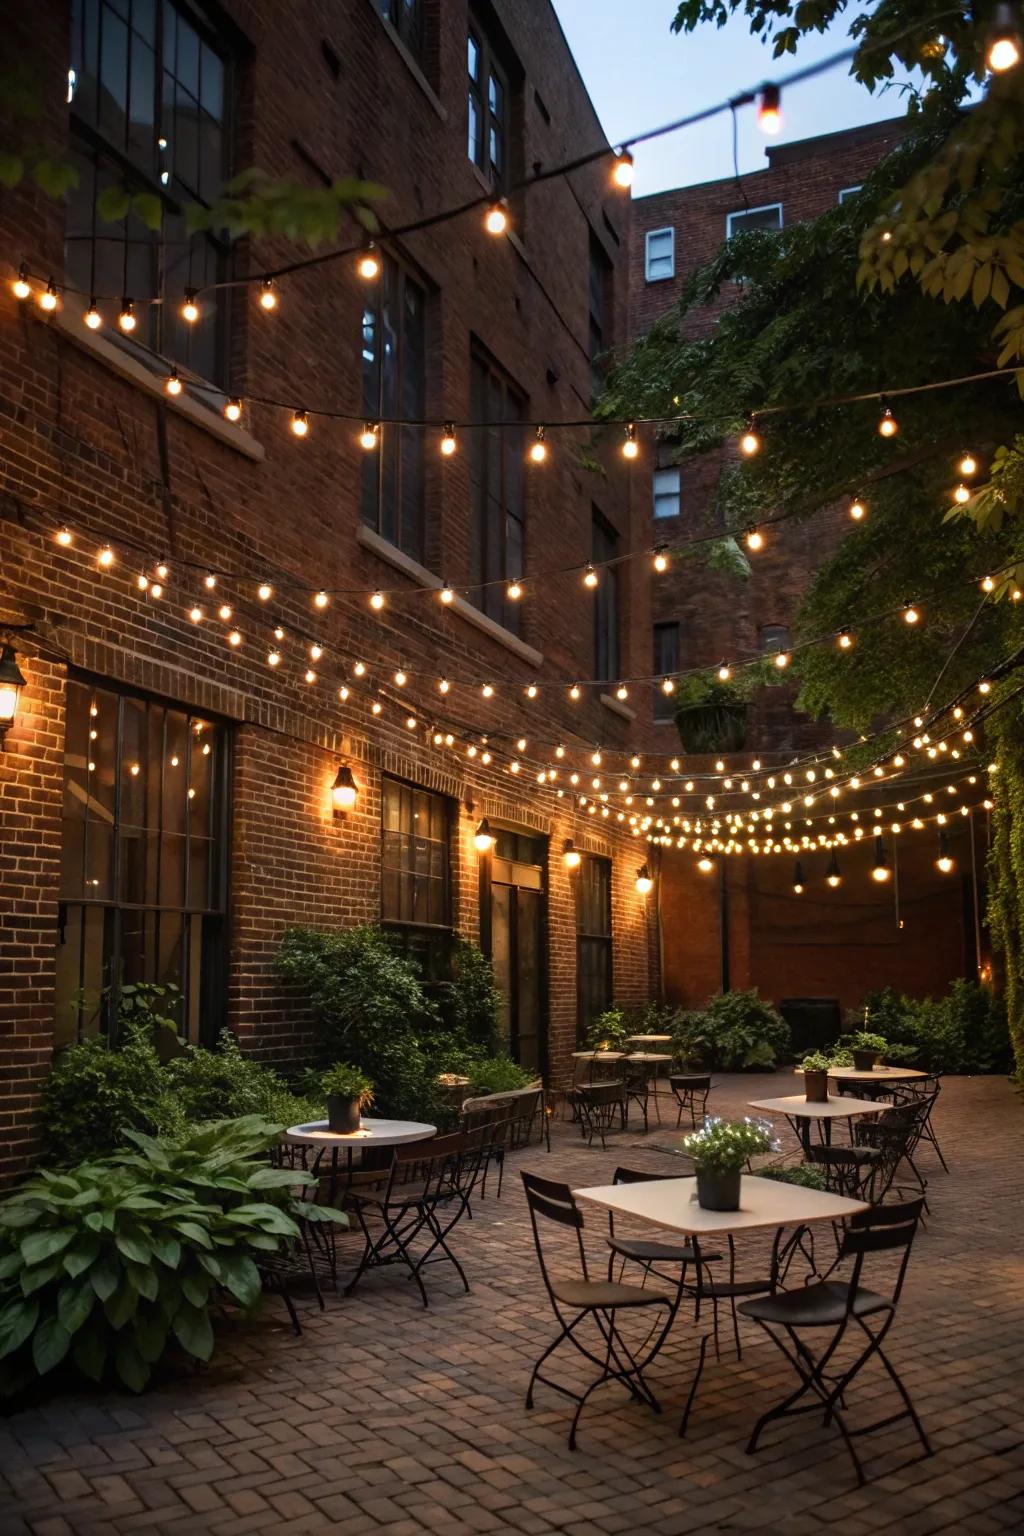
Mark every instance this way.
x=987 y=584
x=968 y=465
x=622 y=170
x=630 y=448
x=705 y=865
x=782 y=662
x=496 y=218
x=798 y=878
x=910 y=614
x=724 y=673
x=844 y=640
x=880 y=871
x=321 y=600
x=590 y=577
x=196 y=615
x=234 y=638
x=750 y=442
x=369 y=437
x=622 y=693
x=446 y=594
x=273 y=658
x=448 y=440
x=224 y=612
x=64 y=536
x=264 y=591
x=377 y=601
x=832 y=874
x=92 y=317
x=190 y=308
x=660 y=559
x=574 y=692
x=1003 y=44
x=944 y=863
x=209 y=581
x=755 y=539
x=368 y=265
x=769 y=108
x=126 y=318
x=172 y=383
x=21 y=287
x=48 y=297
x=487 y=689
x=268 y=294
x=888 y=426
x=514 y=591
x=105 y=558
x=300 y=423
x=233 y=409
x=857 y=509
x=961 y=494
x=539 y=447
x=443 y=685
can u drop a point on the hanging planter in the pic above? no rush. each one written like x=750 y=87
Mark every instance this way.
x=713 y=726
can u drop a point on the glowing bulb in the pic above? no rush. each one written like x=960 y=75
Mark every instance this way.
x=448 y=440
x=644 y=883
x=622 y=692
x=264 y=591
x=190 y=308
x=660 y=560
x=224 y=612
x=92 y=316
x=857 y=509
x=172 y=383
x=64 y=537
x=344 y=790
x=782 y=660
x=268 y=294
x=630 y=448
x=1003 y=43
x=234 y=638
x=705 y=865
x=961 y=494
x=668 y=685
x=209 y=581
x=483 y=838
x=622 y=170
x=769 y=109
x=48 y=297
x=233 y=409
x=532 y=690
x=316 y=651
x=590 y=577
x=369 y=437
x=987 y=584
x=514 y=591
x=724 y=673
x=574 y=691
x=985 y=687
x=571 y=855
x=377 y=601
x=300 y=423
x=446 y=594
x=888 y=426
x=273 y=658
x=163 y=571
x=496 y=219
x=105 y=558
x=310 y=675
x=368 y=265
x=21 y=287
x=910 y=614
x=359 y=668
x=750 y=442
x=400 y=679
x=539 y=448
x=443 y=685
x=195 y=614
x=944 y=863
x=844 y=640
x=321 y=600
x=755 y=539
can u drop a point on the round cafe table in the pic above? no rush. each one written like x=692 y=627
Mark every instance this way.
x=645 y=1040
x=371 y=1135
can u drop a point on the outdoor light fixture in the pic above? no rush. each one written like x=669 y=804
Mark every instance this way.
x=832 y=875
x=881 y=871
x=750 y=442
x=190 y=308
x=644 y=883
x=769 y=109
x=945 y=863
x=571 y=854
x=172 y=383
x=12 y=681
x=483 y=838
x=857 y=509
x=705 y=865
x=369 y=437
x=496 y=218
x=630 y=448
x=345 y=789
x=268 y=294
x=448 y=439
x=539 y=448
x=888 y=426
x=1003 y=44
x=368 y=265
x=622 y=171
x=48 y=297
x=798 y=878
x=21 y=287
x=755 y=539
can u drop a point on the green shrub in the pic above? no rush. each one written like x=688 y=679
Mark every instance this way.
x=966 y=1031
x=801 y=1174
x=864 y=1040
x=97 y=1093
x=609 y=1030
x=111 y=1264
x=735 y=1031
x=497 y=1074
x=220 y=1084
x=817 y=1061
x=470 y=1002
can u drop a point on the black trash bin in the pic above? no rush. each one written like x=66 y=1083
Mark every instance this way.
x=814 y=1022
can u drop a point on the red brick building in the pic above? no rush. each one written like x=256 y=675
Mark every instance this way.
x=200 y=651
x=743 y=924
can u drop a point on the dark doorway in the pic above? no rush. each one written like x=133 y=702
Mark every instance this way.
x=516 y=943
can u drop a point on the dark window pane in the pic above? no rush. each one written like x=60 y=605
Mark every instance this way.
x=141 y=127
x=414 y=856
x=211 y=92
x=113 y=101
x=187 y=61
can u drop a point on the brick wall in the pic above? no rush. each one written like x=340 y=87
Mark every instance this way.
x=83 y=443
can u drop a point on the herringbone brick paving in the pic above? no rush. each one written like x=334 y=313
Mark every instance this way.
x=384 y=1417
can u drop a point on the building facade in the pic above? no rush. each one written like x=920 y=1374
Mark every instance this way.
x=193 y=600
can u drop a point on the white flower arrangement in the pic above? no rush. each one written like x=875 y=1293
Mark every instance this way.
x=726 y=1145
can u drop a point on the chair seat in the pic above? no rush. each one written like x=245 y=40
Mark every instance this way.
x=727 y=1288
x=846 y=1156
x=605 y=1293
x=815 y=1306
x=646 y=1252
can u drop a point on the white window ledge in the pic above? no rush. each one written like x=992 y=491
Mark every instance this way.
x=465 y=610
x=121 y=362
x=617 y=707
x=410 y=62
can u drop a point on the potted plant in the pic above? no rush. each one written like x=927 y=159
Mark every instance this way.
x=711 y=716
x=348 y=1092
x=815 y=1068
x=608 y=1031
x=866 y=1049
x=719 y=1151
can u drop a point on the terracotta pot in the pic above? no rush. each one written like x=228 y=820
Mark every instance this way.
x=816 y=1087
x=719 y=1189
x=864 y=1061
x=342 y=1114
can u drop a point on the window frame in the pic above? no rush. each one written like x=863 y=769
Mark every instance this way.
x=607 y=628
x=405 y=924
x=743 y=213
x=601 y=942
x=211 y=1007
x=845 y=193
x=665 y=706
x=650 y=236
x=666 y=469
x=478 y=92
x=774 y=638
x=160 y=328
x=490 y=598
x=412 y=34
x=400 y=451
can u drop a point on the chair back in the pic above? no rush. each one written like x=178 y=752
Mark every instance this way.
x=552 y=1202
x=597 y=1094
x=527 y=1110
x=695 y=1082
x=881 y=1229
x=436 y=1167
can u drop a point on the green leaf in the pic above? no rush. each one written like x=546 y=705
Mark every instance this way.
x=241 y=1277
x=121 y=1306
x=74 y=1304
x=144 y=1280
x=166 y=1248
x=38 y=1275
x=131 y=1246
x=131 y=1367
x=150 y=1331
x=193 y=1331
x=50 y=1343
x=85 y=1253
x=148 y=208
x=112 y=204
x=42 y=1245
x=10 y=1264
x=55 y=177
x=196 y=1287
x=90 y=1351
x=105 y=1277
x=194 y=1233
x=17 y=1321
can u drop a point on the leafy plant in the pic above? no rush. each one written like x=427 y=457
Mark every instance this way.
x=608 y=1031
x=736 y=1030
x=966 y=1031
x=816 y=1061
x=470 y=1002
x=864 y=1040
x=498 y=1074
x=111 y=1264
x=804 y=1175
x=345 y=1081
x=722 y=1146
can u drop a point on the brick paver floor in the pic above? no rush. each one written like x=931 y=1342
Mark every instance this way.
x=384 y=1417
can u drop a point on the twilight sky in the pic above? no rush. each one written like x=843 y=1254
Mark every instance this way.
x=640 y=74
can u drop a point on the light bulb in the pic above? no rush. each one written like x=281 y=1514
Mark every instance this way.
x=268 y=294
x=622 y=692
x=21 y=287
x=190 y=308
x=987 y=584
x=644 y=883
x=571 y=855
x=224 y=612
x=127 y=319
x=234 y=638
x=496 y=219
x=195 y=614
x=630 y=448
x=888 y=426
x=377 y=601
x=48 y=297
x=668 y=685
x=105 y=558
x=857 y=509
x=209 y=581
x=660 y=560
x=172 y=383
x=400 y=679
x=233 y=409
x=344 y=789
x=755 y=539
x=316 y=651
x=142 y=582
x=273 y=658
x=488 y=690
x=369 y=437
x=368 y=265
x=483 y=838
x=300 y=423
x=769 y=109
x=443 y=685
x=532 y=690
x=574 y=691
x=514 y=591
x=961 y=494
x=844 y=640
x=448 y=440
x=782 y=660
x=622 y=170
x=910 y=614
x=264 y=591
x=968 y=465
x=321 y=600
x=1003 y=44
x=163 y=570
x=310 y=675
x=92 y=316
x=447 y=594
x=705 y=865
x=724 y=673
x=64 y=537
x=539 y=448
x=750 y=442
x=590 y=577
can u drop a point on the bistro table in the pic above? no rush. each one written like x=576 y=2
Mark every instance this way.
x=873 y=1074
x=672 y=1205
x=802 y=1112
x=642 y=1040
x=371 y=1135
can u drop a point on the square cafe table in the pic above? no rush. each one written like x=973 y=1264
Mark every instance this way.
x=802 y=1113
x=671 y=1204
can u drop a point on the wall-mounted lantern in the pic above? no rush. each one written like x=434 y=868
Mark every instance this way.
x=345 y=789
x=12 y=681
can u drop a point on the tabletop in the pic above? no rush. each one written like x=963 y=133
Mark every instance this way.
x=672 y=1205
x=371 y=1133
x=648 y=1056
x=649 y=1039
x=598 y=1055
x=836 y=1108
x=876 y=1074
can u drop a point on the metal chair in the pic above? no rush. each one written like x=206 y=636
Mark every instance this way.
x=912 y=1092
x=645 y=1251
x=585 y=1307
x=636 y=1086
x=690 y=1092
x=597 y=1105
x=842 y=1306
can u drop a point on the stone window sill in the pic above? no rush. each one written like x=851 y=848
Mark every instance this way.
x=121 y=362
x=410 y=62
x=465 y=610
x=617 y=707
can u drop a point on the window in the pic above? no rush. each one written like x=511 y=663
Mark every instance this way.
x=605 y=546
x=496 y=482
x=593 y=939
x=487 y=106
x=774 y=638
x=666 y=492
x=659 y=254
x=598 y=308
x=148 y=88
x=406 y=16
x=415 y=866
x=143 y=880
x=666 y=664
x=769 y=217
x=394 y=385
x=845 y=192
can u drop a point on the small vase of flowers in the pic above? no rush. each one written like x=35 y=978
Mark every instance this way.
x=720 y=1150
x=348 y=1092
x=815 y=1068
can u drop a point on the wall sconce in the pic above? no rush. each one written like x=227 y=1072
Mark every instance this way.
x=644 y=883
x=483 y=839
x=12 y=682
x=571 y=854
x=345 y=789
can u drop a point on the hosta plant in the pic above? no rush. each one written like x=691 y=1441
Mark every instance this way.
x=111 y=1264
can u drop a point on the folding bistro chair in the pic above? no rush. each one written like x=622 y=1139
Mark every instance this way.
x=587 y=1310
x=636 y=1089
x=427 y=1192
x=841 y=1307
x=648 y=1252
x=598 y=1104
x=488 y=1124
x=691 y=1094
x=912 y=1092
